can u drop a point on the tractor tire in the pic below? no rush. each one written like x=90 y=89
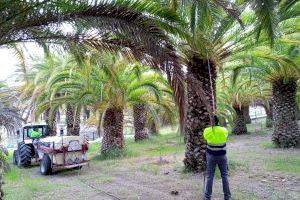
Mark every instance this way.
x=16 y=157
x=24 y=155
x=46 y=165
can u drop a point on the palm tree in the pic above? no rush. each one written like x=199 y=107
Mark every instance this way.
x=43 y=71
x=282 y=71
x=160 y=108
x=211 y=39
x=207 y=44
x=139 y=121
x=129 y=27
x=125 y=89
x=99 y=81
x=242 y=94
x=10 y=115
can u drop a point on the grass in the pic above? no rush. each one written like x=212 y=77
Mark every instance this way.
x=20 y=185
x=161 y=145
x=267 y=145
x=287 y=164
x=26 y=184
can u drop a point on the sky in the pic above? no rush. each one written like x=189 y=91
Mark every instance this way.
x=9 y=62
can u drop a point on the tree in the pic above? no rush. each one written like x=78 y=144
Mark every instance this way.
x=129 y=27
x=124 y=89
x=101 y=81
x=282 y=71
x=207 y=44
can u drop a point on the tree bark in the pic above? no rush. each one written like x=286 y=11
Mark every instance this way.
x=76 y=123
x=286 y=131
x=154 y=128
x=69 y=119
x=139 y=122
x=247 y=115
x=113 y=137
x=51 y=122
x=239 y=122
x=73 y=125
x=198 y=110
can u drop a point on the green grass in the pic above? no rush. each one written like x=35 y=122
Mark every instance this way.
x=161 y=145
x=13 y=175
x=287 y=164
x=20 y=185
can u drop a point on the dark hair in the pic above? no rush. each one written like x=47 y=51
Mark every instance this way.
x=216 y=120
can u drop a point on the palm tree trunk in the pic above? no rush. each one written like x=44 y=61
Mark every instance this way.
x=69 y=118
x=76 y=123
x=239 y=124
x=153 y=128
x=139 y=121
x=198 y=109
x=51 y=122
x=113 y=137
x=286 y=131
x=247 y=115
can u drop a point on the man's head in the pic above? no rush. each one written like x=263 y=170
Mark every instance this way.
x=216 y=121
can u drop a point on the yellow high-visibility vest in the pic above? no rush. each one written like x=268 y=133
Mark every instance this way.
x=215 y=135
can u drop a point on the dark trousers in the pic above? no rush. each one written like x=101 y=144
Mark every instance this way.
x=212 y=161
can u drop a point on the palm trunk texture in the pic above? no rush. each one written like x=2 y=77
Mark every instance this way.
x=286 y=131
x=239 y=122
x=73 y=126
x=198 y=117
x=113 y=137
x=76 y=124
x=154 y=128
x=69 y=119
x=51 y=123
x=139 y=121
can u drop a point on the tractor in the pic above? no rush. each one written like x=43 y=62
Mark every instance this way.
x=52 y=152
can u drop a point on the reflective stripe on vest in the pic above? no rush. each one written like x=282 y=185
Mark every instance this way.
x=217 y=147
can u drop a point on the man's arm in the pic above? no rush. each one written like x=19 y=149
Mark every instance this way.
x=206 y=133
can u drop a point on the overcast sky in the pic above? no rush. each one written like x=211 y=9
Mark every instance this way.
x=9 y=62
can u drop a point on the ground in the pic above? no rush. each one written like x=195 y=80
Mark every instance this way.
x=154 y=170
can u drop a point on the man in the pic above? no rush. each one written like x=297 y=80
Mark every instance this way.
x=216 y=137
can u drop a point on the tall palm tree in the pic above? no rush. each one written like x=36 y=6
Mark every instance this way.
x=130 y=27
x=242 y=93
x=101 y=81
x=211 y=38
x=126 y=89
x=43 y=71
x=146 y=115
x=282 y=70
x=207 y=44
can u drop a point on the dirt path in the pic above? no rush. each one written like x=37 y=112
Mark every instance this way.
x=154 y=178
